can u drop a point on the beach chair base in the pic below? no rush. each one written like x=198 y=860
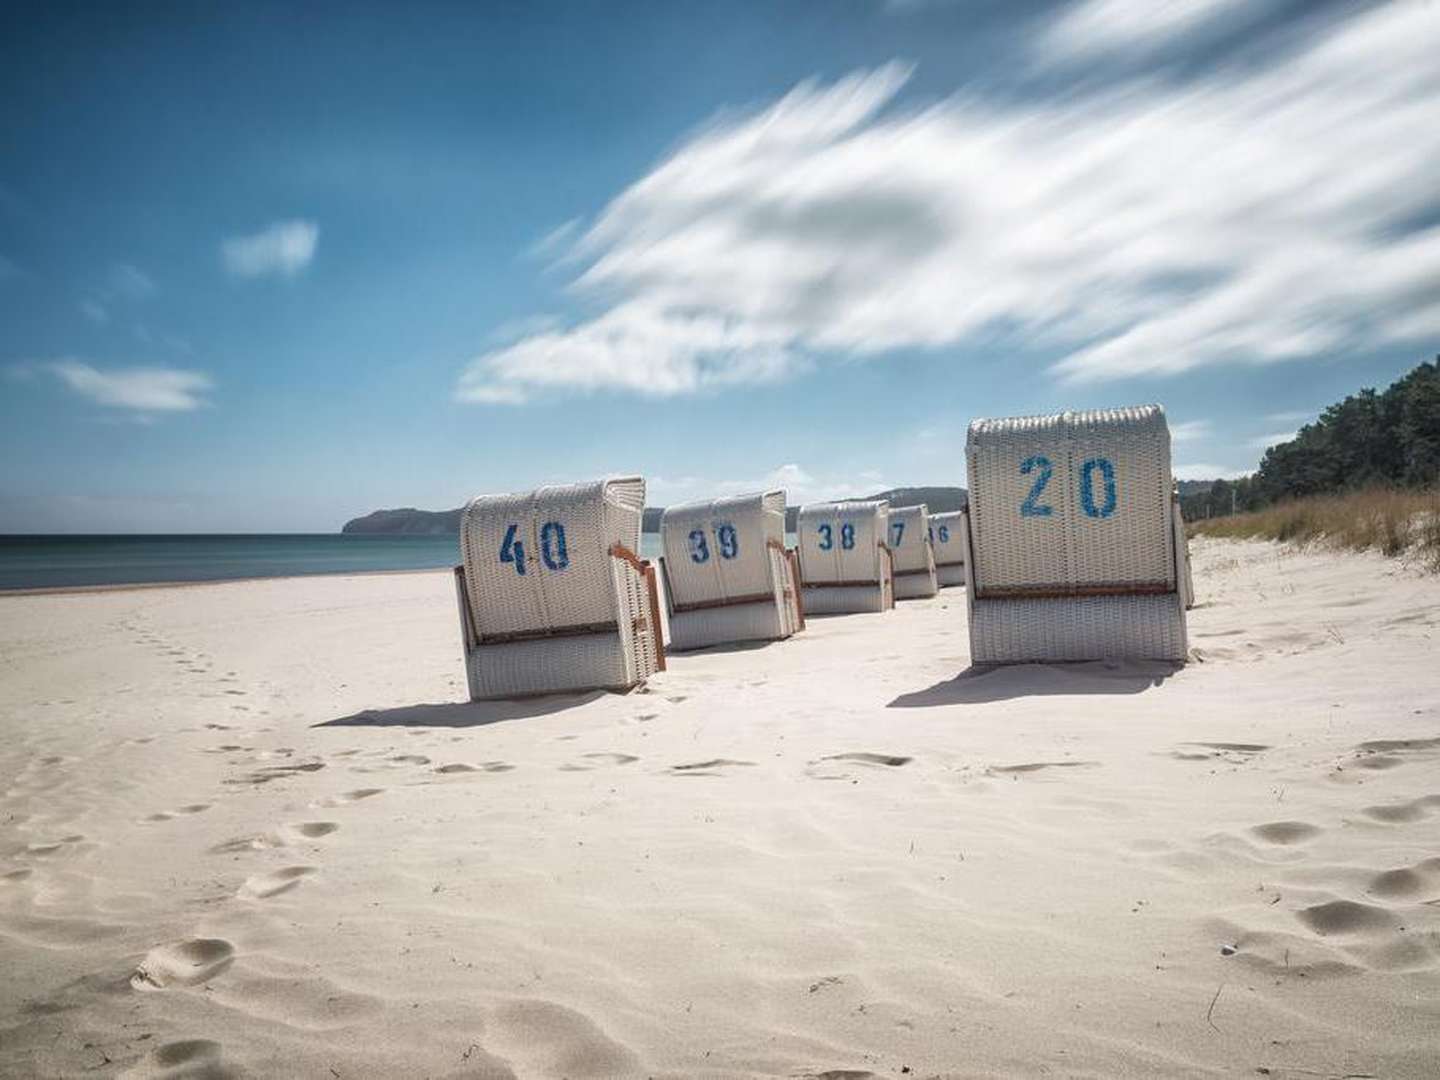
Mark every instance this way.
x=845 y=599
x=950 y=574
x=915 y=584
x=731 y=624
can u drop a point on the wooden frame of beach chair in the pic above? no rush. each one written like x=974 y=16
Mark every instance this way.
x=915 y=577
x=552 y=596
x=949 y=546
x=843 y=559
x=728 y=575
x=1074 y=545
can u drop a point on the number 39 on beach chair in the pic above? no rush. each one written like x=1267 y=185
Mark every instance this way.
x=728 y=576
x=552 y=594
x=845 y=563
x=914 y=557
x=945 y=538
x=1074 y=545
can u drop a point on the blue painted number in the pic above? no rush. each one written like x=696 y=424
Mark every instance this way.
x=944 y=534
x=513 y=551
x=1087 y=488
x=699 y=552
x=1030 y=508
x=898 y=528
x=728 y=541
x=552 y=546
x=827 y=537
x=847 y=536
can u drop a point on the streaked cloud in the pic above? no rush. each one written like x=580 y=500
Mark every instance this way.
x=129 y=282
x=1189 y=430
x=1264 y=442
x=140 y=389
x=1202 y=471
x=283 y=248
x=798 y=483
x=1248 y=216
x=1102 y=26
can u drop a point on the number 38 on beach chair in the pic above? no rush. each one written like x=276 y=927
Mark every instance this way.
x=552 y=594
x=845 y=563
x=914 y=557
x=945 y=538
x=728 y=576
x=1075 y=549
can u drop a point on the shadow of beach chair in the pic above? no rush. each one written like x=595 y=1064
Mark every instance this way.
x=1074 y=545
x=914 y=557
x=728 y=575
x=948 y=544
x=845 y=564
x=553 y=597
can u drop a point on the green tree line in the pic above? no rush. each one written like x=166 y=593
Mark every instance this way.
x=1371 y=439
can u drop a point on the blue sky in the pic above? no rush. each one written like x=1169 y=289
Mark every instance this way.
x=265 y=267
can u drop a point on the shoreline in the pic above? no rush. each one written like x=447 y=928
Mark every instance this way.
x=135 y=586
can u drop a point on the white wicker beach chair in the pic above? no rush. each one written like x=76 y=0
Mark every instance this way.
x=552 y=595
x=728 y=576
x=845 y=563
x=1074 y=545
x=949 y=546
x=914 y=557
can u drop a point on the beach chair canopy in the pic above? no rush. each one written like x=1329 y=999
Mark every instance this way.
x=728 y=575
x=1072 y=537
x=947 y=540
x=844 y=555
x=914 y=557
x=552 y=594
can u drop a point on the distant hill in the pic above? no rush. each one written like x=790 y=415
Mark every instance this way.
x=411 y=522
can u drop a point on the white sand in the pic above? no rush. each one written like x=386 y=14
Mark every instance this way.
x=825 y=854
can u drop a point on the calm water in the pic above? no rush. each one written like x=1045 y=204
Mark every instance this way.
x=48 y=562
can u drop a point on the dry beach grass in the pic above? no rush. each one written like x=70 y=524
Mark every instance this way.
x=250 y=830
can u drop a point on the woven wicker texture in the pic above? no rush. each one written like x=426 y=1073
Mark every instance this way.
x=914 y=557
x=949 y=549
x=727 y=576
x=1075 y=499
x=545 y=606
x=1078 y=504
x=844 y=565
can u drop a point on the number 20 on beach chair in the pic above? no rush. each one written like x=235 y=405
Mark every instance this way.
x=728 y=576
x=552 y=594
x=1075 y=549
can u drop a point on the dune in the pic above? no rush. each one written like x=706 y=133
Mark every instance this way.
x=252 y=829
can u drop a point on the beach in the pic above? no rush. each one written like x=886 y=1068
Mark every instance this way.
x=253 y=828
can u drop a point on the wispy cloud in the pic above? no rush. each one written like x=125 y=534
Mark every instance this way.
x=94 y=311
x=123 y=283
x=1248 y=216
x=798 y=483
x=1101 y=26
x=139 y=389
x=1289 y=417
x=283 y=248
x=1202 y=471
x=1189 y=431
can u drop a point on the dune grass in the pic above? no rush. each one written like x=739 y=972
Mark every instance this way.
x=1394 y=523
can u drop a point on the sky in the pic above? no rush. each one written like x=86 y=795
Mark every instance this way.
x=266 y=267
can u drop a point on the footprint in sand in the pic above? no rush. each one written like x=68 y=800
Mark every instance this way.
x=345 y=798
x=712 y=767
x=1406 y=882
x=190 y=1057
x=274 y=882
x=410 y=759
x=1403 y=813
x=600 y=757
x=44 y=848
x=1036 y=766
x=309 y=830
x=893 y=761
x=459 y=767
x=1285 y=833
x=278 y=772
x=1342 y=917
x=171 y=815
x=183 y=963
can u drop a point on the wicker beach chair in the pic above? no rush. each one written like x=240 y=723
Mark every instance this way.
x=949 y=547
x=845 y=563
x=552 y=595
x=914 y=557
x=1074 y=545
x=728 y=576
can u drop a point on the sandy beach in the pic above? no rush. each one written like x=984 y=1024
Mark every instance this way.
x=252 y=829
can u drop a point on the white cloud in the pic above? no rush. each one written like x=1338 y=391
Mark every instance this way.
x=1208 y=472
x=1189 y=431
x=1098 y=26
x=1247 y=216
x=129 y=282
x=284 y=248
x=142 y=389
x=94 y=311
x=1264 y=442
x=1289 y=417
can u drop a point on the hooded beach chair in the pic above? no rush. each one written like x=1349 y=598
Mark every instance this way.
x=845 y=563
x=914 y=557
x=949 y=546
x=552 y=595
x=1075 y=549
x=728 y=576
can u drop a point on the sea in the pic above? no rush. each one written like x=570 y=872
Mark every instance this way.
x=57 y=562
